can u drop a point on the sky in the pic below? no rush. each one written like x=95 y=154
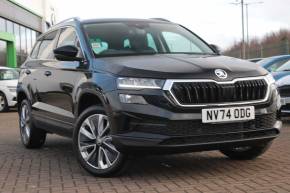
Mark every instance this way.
x=216 y=21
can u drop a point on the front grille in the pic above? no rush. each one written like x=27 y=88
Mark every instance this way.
x=196 y=93
x=284 y=91
x=197 y=128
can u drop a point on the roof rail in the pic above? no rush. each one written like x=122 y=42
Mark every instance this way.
x=69 y=19
x=161 y=19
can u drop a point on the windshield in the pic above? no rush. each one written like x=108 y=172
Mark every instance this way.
x=264 y=61
x=273 y=65
x=7 y=74
x=139 y=38
x=284 y=67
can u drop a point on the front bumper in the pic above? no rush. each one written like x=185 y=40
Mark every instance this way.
x=199 y=139
x=161 y=127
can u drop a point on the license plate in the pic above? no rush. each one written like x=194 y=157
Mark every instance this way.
x=228 y=114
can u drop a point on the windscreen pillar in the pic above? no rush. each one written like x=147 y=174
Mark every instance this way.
x=11 y=58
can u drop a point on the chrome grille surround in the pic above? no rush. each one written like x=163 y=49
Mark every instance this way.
x=169 y=83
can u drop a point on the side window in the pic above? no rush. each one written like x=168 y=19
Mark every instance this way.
x=179 y=43
x=67 y=37
x=47 y=45
x=35 y=50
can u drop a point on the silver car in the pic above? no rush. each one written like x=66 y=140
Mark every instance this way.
x=8 y=84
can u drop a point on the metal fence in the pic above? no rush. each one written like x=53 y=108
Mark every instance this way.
x=262 y=51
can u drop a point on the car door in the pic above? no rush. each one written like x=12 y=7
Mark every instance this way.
x=57 y=84
x=38 y=69
x=33 y=69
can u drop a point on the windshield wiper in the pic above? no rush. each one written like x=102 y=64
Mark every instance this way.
x=124 y=54
x=190 y=53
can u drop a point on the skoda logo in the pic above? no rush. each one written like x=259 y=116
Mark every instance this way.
x=221 y=73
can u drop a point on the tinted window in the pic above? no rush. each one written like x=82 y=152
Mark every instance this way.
x=151 y=42
x=35 y=50
x=282 y=66
x=129 y=38
x=278 y=66
x=179 y=43
x=8 y=74
x=67 y=37
x=47 y=45
x=127 y=43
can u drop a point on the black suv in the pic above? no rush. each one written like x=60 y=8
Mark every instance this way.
x=122 y=87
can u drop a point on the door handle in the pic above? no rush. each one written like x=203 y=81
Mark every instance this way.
x=27 y=71
x=47 y=73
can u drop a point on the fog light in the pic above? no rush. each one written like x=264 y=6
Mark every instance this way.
x=132 y=99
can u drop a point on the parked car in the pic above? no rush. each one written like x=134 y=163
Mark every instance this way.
x=255 y=60
x=122 y=87
x=8 y=83
x=273 y=63
x=282 y=77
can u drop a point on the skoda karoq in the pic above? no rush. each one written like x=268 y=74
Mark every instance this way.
x=121 y=87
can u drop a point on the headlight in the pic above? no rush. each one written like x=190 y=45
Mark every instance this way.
x=270 y=79
x=139 y=83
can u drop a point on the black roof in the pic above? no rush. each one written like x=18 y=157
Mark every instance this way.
x=109 y=20
x=74 y=20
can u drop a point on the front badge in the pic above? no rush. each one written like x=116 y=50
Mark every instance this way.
x=222 y=74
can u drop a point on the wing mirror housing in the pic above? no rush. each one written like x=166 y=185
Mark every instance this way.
x=215 y=48
x=67 y=53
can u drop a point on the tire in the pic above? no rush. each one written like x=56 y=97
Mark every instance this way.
x=31 y=136
x=92 y=144
x=3 y=103
x=246 y=153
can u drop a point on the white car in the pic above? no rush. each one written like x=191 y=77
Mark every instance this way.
x=8 y=84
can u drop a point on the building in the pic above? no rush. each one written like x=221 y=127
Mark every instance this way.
x=20 y=24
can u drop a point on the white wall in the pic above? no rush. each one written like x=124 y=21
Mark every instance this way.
x=45 y=8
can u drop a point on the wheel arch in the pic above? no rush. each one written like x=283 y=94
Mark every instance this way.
x=21 y=95
x=89 y=97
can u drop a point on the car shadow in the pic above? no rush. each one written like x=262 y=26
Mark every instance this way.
x=198 y=166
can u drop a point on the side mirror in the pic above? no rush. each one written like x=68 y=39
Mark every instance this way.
x=66 y=53
x=215 y=48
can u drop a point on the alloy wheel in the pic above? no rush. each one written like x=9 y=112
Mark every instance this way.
x=25 y=123
x=2 y=102
x=95 y=143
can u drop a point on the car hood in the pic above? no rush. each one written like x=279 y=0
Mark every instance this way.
x=178 y=66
